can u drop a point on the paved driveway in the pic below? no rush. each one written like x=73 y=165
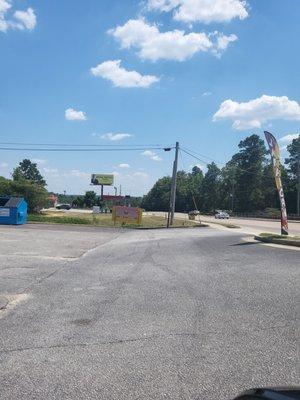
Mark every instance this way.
x=114 y=314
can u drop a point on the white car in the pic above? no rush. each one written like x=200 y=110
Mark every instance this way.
x=222 y=215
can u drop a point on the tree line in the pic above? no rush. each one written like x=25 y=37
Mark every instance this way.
x=244 y=185
x=27 y=182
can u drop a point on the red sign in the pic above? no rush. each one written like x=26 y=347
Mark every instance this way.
x=109 y=197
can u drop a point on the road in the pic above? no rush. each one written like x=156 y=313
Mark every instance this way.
x=257 y=226
x=150 y=314
x=247 y=225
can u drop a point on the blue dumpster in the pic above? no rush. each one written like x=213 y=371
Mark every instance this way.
x=13 y=211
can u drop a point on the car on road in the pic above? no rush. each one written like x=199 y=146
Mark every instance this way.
x=222 y=215
x=63 y=207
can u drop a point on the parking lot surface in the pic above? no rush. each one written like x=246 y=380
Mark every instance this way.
x=144 y=314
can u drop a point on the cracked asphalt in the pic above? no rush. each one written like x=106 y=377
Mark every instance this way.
x=144 y=314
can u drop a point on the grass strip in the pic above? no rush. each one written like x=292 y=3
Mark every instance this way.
x=105 y=220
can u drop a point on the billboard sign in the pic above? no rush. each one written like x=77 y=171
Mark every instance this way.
x=102 y=179
x=127 y=215
x=275 y=155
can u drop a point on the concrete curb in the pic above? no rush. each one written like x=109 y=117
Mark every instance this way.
x=116 y=227
x=286 y=242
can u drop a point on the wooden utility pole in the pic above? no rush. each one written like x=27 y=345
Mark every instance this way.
x=173 y=188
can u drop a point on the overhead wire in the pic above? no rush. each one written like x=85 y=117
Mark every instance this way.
x=78 y=149
x=81 y=145
x=197 y=158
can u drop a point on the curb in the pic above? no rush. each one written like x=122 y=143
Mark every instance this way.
x=294 y=243
x=116 y=227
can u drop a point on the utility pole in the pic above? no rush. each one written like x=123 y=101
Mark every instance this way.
x=173 y=188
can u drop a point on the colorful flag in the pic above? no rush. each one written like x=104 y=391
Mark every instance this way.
x=275 y=154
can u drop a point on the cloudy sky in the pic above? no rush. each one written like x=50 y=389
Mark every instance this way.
x=204 y=72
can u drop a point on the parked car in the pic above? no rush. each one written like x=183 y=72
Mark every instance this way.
x=63 y=207
x=222 y=215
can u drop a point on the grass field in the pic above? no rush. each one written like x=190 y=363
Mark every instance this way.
x=104 y=220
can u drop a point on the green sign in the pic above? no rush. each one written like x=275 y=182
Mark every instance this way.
x=102 y=179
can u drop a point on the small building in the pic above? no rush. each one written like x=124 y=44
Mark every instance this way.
x=13 y=211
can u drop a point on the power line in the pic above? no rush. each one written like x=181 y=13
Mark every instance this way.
x=81 y=145
x=201 y=155
x=197 y=158
x=235 y=167
x=78 y=149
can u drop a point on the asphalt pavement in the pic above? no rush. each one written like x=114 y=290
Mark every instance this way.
x=252 y=226
x=144 y=314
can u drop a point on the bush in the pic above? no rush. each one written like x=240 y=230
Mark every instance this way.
x=35 y=195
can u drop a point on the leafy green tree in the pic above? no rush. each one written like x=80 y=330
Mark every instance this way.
x=196 y=180
x=78 y=202
x=35 y=195
x=228 y=185
x=28 y=170
x=184 y=195
x=158 y=198
x=250 y=161
x=90 y=198
x=293 y=170
x=211 y=188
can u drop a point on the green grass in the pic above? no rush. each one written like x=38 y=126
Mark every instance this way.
x=267 y=235
x=104 y=220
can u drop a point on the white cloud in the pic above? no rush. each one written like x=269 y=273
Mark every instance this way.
x=153 y=156
x=254 y=113
x=115 y=136
x=73 y=115
x=20 y=20
x=205 y=11
x=116 y=173
x=3 y=165
x=287 y=139
x=222 y=43
x=204 y=94
x=172 y=45
x=124 y=165
x=79 y=174
x=120 y=77
x=4 y=7
x=39 y=161
x=51 y=173
x=140 y=175
x=26 y=19
x=74 y=173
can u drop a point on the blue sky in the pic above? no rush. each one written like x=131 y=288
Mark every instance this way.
x=205 y=73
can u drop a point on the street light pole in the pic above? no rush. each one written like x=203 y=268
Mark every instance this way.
x=173 y=188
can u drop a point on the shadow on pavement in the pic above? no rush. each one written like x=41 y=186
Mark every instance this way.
x=244 y=244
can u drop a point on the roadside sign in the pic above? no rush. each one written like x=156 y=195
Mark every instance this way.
x=96 y=210
x=102 y=179
x=127 y=215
